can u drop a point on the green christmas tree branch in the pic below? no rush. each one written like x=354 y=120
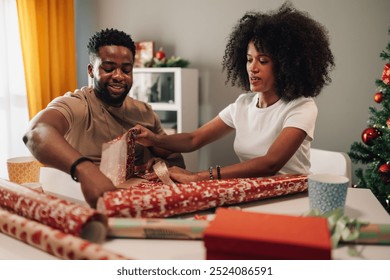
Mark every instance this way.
x=374 y=153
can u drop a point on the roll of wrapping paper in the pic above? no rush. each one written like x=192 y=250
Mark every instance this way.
x=374 y=234
x=117 y=161
x=52 y=211
x=156 y=228
x=158 y=200
x=52 y=241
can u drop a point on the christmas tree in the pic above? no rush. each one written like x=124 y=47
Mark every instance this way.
x=374 y=149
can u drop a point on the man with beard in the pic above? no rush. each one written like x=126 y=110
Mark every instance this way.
x=69 y=133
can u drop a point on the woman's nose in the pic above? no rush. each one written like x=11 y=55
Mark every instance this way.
x=253 y=67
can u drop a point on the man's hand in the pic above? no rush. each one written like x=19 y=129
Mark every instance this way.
x=93 y=182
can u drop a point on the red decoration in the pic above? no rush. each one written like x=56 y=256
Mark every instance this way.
x=388 y=123
x=160 y=55
x=235 y=235
x=158 y=200
x=378 y=97
x=370 y=134
x=386 y=74
x=384 y=171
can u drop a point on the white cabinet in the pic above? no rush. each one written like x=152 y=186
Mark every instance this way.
x=173 y=94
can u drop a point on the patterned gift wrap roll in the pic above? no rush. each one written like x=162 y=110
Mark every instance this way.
x=374 y=234
x=158 y=200
x=117 y=161
x=156 y=228
x=57 y=213
x=52 y=241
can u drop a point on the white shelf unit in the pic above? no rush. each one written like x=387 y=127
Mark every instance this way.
x=173 y=94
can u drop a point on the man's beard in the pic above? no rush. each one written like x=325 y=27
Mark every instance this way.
x=104 y=94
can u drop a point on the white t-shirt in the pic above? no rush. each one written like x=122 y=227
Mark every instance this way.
x=257 y=128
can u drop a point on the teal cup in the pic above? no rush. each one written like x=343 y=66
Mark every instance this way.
x=327 y=192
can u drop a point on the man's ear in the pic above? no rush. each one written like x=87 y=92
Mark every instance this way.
x=90 y=70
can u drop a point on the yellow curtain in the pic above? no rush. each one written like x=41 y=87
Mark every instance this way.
x=48 y=45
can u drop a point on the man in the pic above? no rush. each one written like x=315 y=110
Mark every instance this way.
x=69 y=133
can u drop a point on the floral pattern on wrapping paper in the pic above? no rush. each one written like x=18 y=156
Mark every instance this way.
x=49 y=210
x=130 y=153
x=157 y=200
x=52 y=241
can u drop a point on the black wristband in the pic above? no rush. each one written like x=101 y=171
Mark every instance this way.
x=218 y=172
x=74 y=165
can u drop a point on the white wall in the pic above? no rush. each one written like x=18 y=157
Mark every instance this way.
x=197 y=31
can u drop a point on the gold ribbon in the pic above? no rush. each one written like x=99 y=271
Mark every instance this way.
x=161 y=170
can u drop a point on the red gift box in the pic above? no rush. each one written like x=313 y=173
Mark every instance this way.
x=235 y=234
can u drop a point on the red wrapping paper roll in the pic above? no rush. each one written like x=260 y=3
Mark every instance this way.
x=52 y=241
x=158 y=200
x=57 y=213
x=118 y=158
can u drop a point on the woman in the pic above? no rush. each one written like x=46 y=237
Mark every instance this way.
x=282 y=60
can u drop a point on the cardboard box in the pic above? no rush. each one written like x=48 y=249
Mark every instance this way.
x=235 y=234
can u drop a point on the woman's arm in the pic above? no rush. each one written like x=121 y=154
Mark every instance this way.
x=184 y=142
x=277 y=156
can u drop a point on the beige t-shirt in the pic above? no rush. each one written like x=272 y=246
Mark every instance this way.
x=92 y=123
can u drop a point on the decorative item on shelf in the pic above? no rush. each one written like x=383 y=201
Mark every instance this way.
x=160 y=60
x=160 y=54
x=144 y=52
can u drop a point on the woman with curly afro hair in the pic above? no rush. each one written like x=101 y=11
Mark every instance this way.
x=281 y=60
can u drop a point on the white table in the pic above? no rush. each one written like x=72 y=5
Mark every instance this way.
x=361 y=204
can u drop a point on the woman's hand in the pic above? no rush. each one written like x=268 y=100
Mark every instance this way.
x=145 y=137
x=181 y=175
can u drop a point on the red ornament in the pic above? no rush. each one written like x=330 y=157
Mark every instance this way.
x=388 y=123
x=160 y=55
x=386 y=74
x=370 y=134
x=378 y=97
x=384 y=171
